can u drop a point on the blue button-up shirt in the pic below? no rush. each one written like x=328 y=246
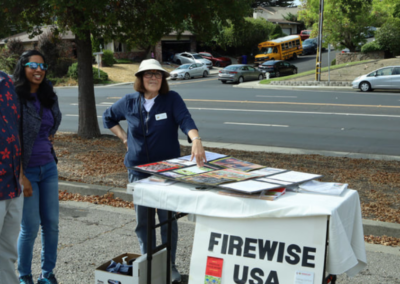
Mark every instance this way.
x=152 y=136
x=10 y=150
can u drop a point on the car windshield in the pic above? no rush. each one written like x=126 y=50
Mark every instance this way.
x=266 y=50
x=184 y=66
x=308 y=42
x=232 y=68
x=196 y=56
x=215 y=54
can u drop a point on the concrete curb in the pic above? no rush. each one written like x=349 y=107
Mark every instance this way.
x=257 y=85
x=371 y=227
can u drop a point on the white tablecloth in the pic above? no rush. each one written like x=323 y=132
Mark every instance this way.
x=346 y=250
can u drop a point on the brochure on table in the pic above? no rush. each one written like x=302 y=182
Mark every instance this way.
x=226 y=172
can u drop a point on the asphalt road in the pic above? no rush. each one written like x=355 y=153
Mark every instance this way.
x=346 y=121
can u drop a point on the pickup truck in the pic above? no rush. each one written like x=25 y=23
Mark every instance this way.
x=305 y=34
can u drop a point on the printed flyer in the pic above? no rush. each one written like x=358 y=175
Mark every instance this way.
x=233 y=163
x=213 y=270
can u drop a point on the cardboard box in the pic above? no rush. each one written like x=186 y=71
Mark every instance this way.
x=139 y=270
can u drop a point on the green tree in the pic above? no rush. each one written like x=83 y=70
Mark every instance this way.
x=382 y=10
x=143 y=22
x=388 y=36
x=246 y=37
x=345 y=21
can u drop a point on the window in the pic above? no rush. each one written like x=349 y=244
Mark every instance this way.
x=385 y=71
x=193 y=66
x=286 y=45
x=286 y=64
x=251 y=69
x=297 y=42
x=290 y=44
x=199 y=64
x=283 y=46
x=245 y=68
x=396 y=71
x=275 y=50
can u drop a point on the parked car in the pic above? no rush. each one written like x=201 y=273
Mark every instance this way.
x=239 y=73
x=383 y=78
x=310 y=46
x=191 y=57
x=217 y=59
x=305 y=34
x=277 y=68
x=187 y=71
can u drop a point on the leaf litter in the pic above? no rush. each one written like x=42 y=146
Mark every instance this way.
x=100 y=161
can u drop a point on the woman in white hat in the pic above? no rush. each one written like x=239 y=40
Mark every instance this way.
x=154 y=114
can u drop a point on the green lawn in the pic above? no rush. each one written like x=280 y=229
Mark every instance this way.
x=324 y=69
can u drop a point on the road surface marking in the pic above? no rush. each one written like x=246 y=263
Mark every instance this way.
x=276 y=96
x=256 y=124
x=298 y=112
x=289 y=103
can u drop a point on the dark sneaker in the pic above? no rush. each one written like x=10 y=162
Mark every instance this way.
x=27 y=279
x=176 y=276
x=49 y=280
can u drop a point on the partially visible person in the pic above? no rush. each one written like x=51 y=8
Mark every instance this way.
x=154 y=114
x=11 y=176
x=41 y=118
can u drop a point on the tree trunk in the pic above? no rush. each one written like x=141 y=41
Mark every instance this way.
x=88 y=124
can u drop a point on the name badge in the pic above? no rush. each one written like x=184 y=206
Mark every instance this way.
x=161 y=116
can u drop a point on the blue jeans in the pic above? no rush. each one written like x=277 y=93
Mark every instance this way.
x=141 y=227
x=42 y=208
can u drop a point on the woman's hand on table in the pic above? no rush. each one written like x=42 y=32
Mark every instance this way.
x=198 y=153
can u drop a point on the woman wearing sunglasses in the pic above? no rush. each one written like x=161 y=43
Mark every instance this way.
x=154 y=114
x=41 y=117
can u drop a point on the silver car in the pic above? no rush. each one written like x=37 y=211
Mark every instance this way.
x=383 y=78
x=239 y=73
x=187 y=71
x=191 y=57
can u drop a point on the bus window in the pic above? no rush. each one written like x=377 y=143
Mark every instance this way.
x=290 y=44
x=297 y=42
x=267 y=50
x=294 y=43
x=275 y=50
x=286 y=45
x=283 y=46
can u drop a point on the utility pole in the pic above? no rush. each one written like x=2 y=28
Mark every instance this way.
x=319 y=51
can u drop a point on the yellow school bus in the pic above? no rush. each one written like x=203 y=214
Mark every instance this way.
x=282 y=48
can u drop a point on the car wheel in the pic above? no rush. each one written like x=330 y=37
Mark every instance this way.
x=187 y=76
x=294 y=71
x=205 y=74
x=294 y=56
x=365 y=86
x=241 y=80
x=178 y=62
x=277 y=74
x=217 y=64
x=260 y=77
x=223 y=81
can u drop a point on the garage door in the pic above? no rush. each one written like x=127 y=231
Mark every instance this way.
x=287 y=31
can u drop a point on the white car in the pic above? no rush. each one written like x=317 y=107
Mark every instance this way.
x=187 y=71
x=191 y=57
x=383 y=78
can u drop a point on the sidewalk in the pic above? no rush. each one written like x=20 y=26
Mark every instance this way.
x=90 y=235
x=257 y=85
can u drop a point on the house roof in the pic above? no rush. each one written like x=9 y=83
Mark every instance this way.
x=24 y=37
x=280 y=21
x=278 y=12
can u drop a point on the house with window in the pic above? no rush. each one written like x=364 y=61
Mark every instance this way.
x=275 y=15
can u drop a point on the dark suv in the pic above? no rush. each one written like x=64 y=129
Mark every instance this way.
x=278 y=68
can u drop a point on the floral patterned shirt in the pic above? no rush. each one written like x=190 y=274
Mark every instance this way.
x=10 y=150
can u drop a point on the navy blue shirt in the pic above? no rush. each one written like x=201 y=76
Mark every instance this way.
x=10 y=149
x=159 y=127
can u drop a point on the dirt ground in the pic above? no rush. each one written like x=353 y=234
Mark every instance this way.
x=125 y=73
x=100 y=161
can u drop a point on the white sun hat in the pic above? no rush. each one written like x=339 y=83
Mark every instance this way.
x=151 y=64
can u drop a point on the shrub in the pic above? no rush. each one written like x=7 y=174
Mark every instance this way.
x=388 y=35
x=333 y=62
x=7 y=61
x=73 y=73
x=371 y=46
x=108 y=58
x=15 y=47
x=57 y=53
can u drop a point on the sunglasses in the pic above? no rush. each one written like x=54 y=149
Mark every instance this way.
x=34 y=65
x=149 y=75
